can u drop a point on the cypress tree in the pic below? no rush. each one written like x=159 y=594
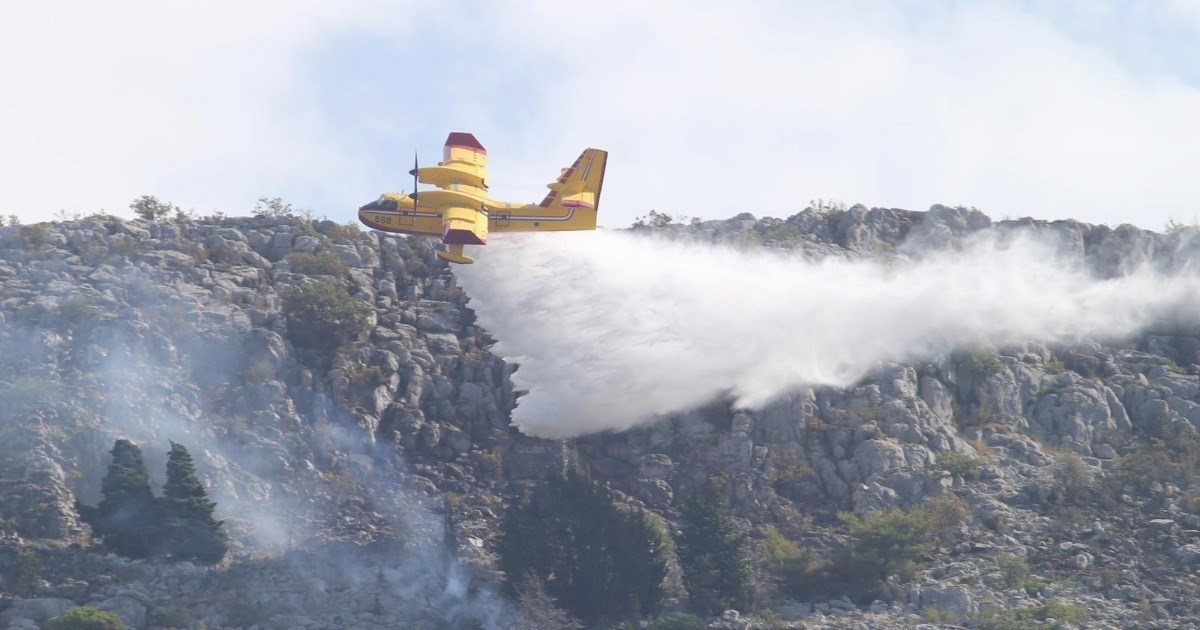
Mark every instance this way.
x=716 y=569
x=189 y=530
x=449 y=529
x=126 y=517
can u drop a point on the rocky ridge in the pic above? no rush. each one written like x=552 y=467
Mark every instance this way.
x=175 y=331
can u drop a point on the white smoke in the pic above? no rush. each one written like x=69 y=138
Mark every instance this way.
x=613 y=329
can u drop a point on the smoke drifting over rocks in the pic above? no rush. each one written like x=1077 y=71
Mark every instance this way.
x=614 y=329
x=334 y=479
x=160 y=332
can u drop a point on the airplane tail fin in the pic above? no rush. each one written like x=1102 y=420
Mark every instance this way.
x=579 y=185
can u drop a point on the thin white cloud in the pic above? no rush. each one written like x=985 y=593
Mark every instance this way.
x=708 y=108
x=723 y=110
x=100 y=103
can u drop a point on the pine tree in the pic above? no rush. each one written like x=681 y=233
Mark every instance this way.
x=126 y=517
x=716 y=569
x=189 y=530
x=449 y=529
x=642 y=553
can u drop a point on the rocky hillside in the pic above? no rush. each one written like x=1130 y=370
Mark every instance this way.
x=1074 y=467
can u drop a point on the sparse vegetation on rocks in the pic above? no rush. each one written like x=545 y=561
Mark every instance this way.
x=85 y=618
x=152 y=208
x=325 y=418
x=133 y=522
x=322 y=316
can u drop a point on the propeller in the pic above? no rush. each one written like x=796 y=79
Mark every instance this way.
x=413 y=172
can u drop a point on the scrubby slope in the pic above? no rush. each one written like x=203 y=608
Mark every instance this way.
x=332 y=476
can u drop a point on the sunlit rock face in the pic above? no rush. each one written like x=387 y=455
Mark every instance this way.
x=333 y=473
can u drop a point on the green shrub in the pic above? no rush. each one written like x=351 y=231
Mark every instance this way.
x=195 y=250
x=319 y=264
x=124 y=245
x=790 y=475
x=321 y=317
x=829 y=207
x=85 y=618
x=1176 y=226
x=935 y=615
x=678 y=621
x=272 y=207
x=656 y=219
x=223 y=255
x=1173 y=459
x=29 y=573
x=30 y=390
x=151 y=208
x=1014 y=570
x=979 y=415
x=778 y=551
x=945 y=514
x=1072 y=477
x=958 y=465
x=370 y=376
x=34 y=235
x=1022 y=618
x=77 y=308
x=980 y=363
x=885 y=544
x=243 y=614
x=350 y=231
x=996 y=522
x=797 y=570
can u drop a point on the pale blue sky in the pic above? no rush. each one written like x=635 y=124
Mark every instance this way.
x=1084 y=109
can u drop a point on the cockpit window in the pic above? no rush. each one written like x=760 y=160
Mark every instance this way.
x=383 y=203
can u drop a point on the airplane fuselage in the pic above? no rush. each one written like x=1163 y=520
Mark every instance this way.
x=460 y=211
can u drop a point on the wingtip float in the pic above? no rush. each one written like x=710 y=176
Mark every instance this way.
x=459 y=210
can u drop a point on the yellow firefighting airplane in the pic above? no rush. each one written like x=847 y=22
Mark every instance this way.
x=461 y=212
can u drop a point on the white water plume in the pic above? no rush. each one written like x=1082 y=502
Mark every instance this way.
x=613 y=329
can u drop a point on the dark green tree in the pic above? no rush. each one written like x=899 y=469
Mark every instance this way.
x=598 y=562
x=126 y=518
x=716 y=566
x=29 y=573
x=189 y=530
x=449 y=529
x=883 y=544
x=321 y=317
